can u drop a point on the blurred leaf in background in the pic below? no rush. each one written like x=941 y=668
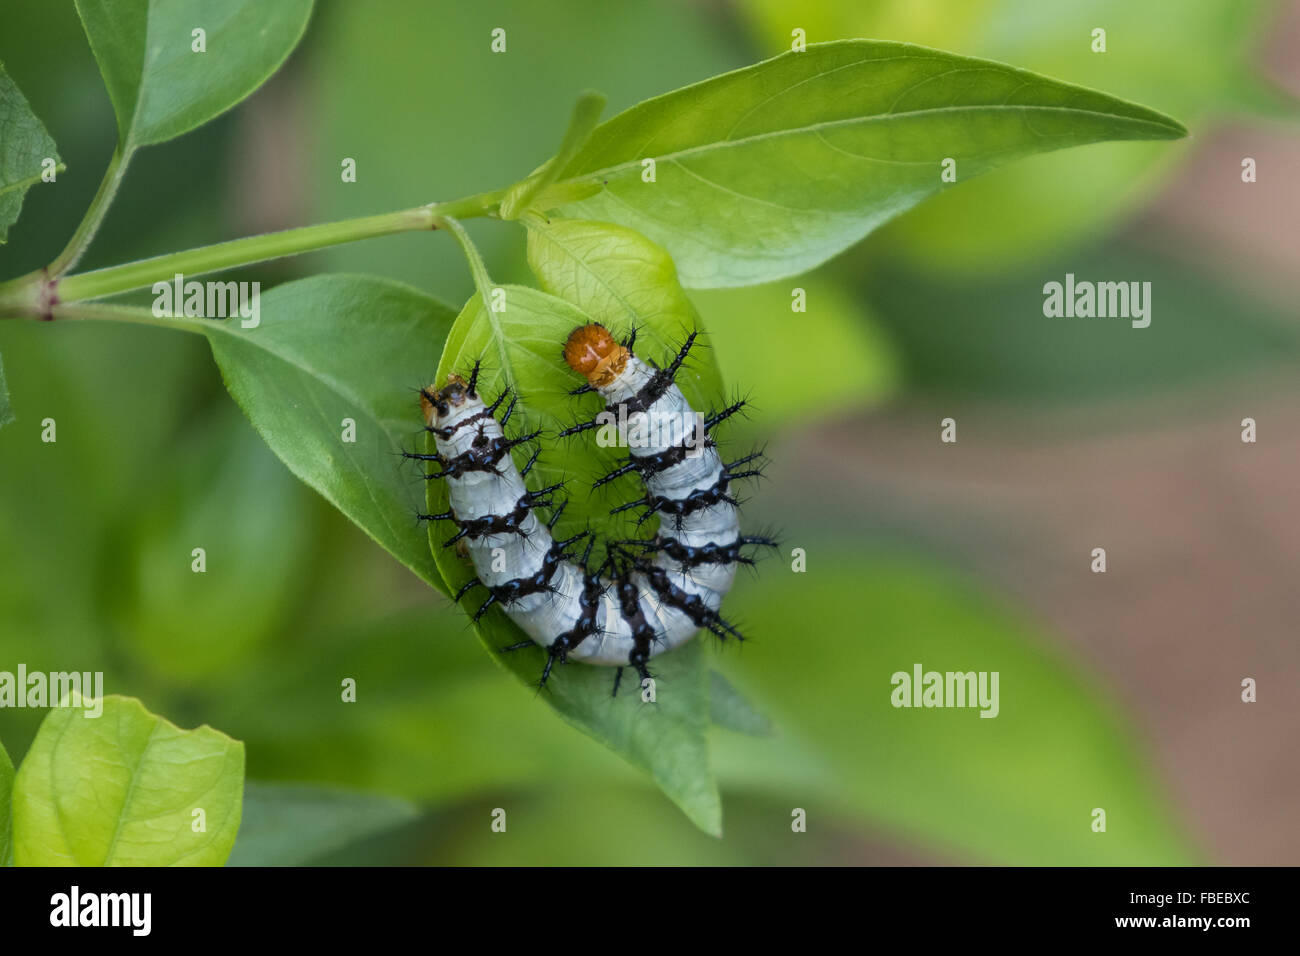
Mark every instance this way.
x=1016 y=788
x=6 y=407
x=65 y=500
x=986 y=338
x=192 y=624
x=795 y=366
x=286 y=825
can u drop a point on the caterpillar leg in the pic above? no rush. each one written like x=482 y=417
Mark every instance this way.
x=552 y=655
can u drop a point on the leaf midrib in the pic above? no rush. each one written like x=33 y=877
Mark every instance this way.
x=130 y=793
x=31 y=180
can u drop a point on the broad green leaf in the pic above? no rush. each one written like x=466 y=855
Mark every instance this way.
x=160 y=86
x=335 y=348
x=122 y=788
x=294 y=825
x=521 y=347
x=24 y=146
x=6 y=792
x=1196 y=59
x=1018 y=788
x=767 y=171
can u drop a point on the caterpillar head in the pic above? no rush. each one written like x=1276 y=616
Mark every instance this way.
x=593 y=352
x=441 y=405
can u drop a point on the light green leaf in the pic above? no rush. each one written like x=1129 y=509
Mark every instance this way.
x=161 y=87
x=1018 y=788
x=331 y=348
x=767 y=171
x=294 y=825
x=120 y=789
x=521 y=347
x=24 y=145
x=625 y=281
x=6 y=792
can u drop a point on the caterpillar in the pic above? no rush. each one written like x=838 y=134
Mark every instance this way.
x=647 y=596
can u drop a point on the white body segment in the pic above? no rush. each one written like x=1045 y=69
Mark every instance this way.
x=717 y=524
x=507 y=543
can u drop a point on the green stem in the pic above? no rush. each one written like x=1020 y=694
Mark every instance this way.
x=40 y=292
x=94 y=214
x=586 y=114
x=274 y=245
x=482 y=281
x=237 y=252
x=128 y=313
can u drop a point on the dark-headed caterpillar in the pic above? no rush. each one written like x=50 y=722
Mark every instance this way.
x=647 y=597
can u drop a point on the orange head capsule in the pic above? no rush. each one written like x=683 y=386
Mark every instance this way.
x=592 y=351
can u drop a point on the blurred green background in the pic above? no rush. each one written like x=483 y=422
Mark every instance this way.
x=1118 y=691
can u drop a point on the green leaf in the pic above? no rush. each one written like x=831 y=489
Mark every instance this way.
x=1015 y=789
x=331 y=348
x=121 y=788
x=161 y=87
x=1197 y=60
x=294 y=825
x=767 y=171
x=24 y=145
x=521 y=347
x=6 y=793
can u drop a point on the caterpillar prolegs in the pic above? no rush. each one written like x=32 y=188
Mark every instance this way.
x=646 y=597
